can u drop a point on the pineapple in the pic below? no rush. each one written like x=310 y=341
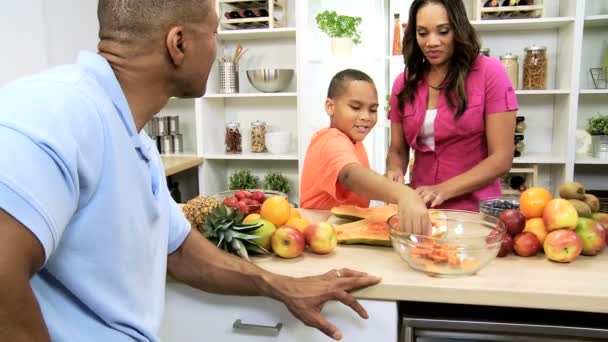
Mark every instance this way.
x=224 y=226
x=198 y=208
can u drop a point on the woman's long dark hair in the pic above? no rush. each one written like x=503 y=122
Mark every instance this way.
x=466 y=49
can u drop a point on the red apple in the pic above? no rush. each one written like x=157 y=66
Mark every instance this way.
x=321 y=237
x=558 y=214
x=288 y=242
x=592 y=235
x=563 y=245
x=602 y=218
x=506 y=246
x=526 y=244
x=514 y=220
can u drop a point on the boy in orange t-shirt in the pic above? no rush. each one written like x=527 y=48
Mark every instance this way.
x=336 y=168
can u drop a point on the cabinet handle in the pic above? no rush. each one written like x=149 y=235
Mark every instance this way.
x=268 y=330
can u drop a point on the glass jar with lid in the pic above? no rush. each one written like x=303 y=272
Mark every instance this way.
x=511 y=65
x=258 y=136
x=535 y=67
x=233 y=138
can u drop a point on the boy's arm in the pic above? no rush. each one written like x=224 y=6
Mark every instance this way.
x=398 y=157
x=413 y=214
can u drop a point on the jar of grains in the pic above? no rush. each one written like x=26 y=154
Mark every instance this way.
x=510 y=63
x=233 y=138
x=258 y=136
x=535 y=67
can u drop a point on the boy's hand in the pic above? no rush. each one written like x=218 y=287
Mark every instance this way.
x=413 y=215
x=395 y=176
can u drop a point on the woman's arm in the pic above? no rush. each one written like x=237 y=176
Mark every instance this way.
x=499 y=135
x=398 y=156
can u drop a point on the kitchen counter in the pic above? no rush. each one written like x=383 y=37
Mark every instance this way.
x=533 y=282
x=176 y=164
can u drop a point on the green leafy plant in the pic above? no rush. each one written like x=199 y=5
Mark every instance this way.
x=243 y=179
x=276 y=181
x=339 y=26
x=598 y=125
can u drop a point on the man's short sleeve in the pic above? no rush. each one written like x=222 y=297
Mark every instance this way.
x=180 y=228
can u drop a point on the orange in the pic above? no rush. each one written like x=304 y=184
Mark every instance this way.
x=297 y=222
x=276 y=209
x=533 y=200
x=537 y=227
x=251 y=217
x=295 y=213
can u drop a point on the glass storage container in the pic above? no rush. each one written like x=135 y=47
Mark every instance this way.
x=510 y=63
x=535 y=67
x=258 y=136
x=233 y=138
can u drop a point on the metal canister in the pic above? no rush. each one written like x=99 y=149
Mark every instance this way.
x=153 y=127
x=163 y=125
x=178 y=143
x=173 y=124
x=166 y=145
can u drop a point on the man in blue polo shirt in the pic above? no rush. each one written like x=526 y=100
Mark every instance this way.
x=88 y=228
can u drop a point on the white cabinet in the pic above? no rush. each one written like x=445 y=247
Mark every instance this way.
x=192 y=315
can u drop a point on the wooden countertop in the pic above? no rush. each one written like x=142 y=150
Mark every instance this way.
x=512 y=281
x=175 y=164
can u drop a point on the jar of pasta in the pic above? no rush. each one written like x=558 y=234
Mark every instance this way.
x=535 y=67
x=511 y=65
x=258 y=136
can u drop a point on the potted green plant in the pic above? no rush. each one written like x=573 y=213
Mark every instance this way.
x=243 y=179
x=277 y=181
x=342 y=29
x=598 y=128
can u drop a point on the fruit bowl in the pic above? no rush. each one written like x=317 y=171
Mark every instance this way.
x=247 y=200
x=495 y=206
x=462 y=243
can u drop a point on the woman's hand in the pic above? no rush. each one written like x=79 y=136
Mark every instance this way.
x=395 y=176
x=413 y=215
x=433 y=194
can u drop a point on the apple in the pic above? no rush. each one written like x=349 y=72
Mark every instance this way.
x=592 y=235
x=514 y=220
x=602 y=218
x=265 y=232
x=526 y=244
x=321 y=237
x=506 y=246
x=288 y=242
x=563 y=245
x=558 y=214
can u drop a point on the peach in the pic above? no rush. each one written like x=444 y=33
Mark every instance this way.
x=537 y=227
x=321 y=237
x=563 y=245
x=592 y=235
x=558 y=214
x=288 y=242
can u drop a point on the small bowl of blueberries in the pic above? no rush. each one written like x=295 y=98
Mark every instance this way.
x=495 y=206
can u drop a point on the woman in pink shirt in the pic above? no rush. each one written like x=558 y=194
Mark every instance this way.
x=455 y=107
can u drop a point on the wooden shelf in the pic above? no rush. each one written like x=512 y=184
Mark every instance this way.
x=596 y=21
x=588 y=160
x=273 y=33
x=543 y=92
x=251 y=156
x=539 y=158
x=174 y=163
x=249 y=95
x=522 y=24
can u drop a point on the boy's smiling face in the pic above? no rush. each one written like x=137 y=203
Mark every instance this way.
x=355 y=111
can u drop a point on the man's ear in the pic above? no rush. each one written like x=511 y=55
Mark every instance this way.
x=175 y=45
x=329 y=107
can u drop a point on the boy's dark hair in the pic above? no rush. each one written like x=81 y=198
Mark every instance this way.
x=339 y=81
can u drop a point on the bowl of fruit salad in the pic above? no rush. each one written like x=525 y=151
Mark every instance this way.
x=247 y=200
x=461 y=243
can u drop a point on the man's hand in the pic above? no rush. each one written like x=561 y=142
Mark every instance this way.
x=305 y=297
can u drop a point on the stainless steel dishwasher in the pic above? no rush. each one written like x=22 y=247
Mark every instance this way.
x=431 y=322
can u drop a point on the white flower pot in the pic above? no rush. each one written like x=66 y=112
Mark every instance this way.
x=600 y=146
x=342 y=47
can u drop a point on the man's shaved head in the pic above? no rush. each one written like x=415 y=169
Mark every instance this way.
x=138 y=21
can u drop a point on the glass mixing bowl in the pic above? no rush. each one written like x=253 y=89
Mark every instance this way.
x=461 y=243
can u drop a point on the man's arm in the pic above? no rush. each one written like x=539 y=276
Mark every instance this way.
x=202 y=265
x=21 y=255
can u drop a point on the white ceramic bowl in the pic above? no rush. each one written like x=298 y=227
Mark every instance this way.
x=278 y=142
